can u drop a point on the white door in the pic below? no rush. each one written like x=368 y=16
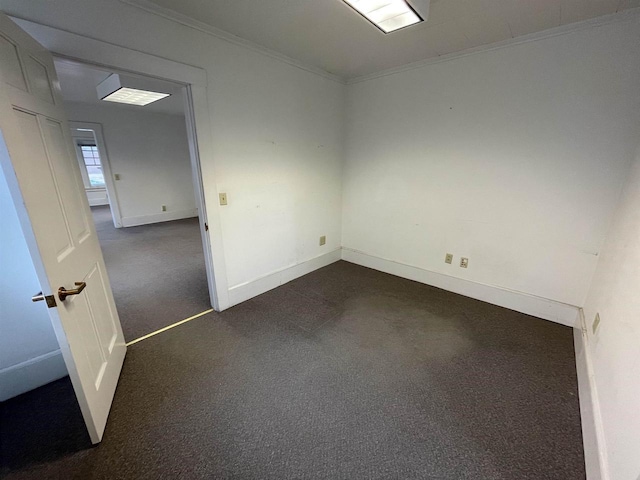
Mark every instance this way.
x=38 y=159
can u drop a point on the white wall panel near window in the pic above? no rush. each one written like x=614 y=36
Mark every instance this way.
x=150 y=155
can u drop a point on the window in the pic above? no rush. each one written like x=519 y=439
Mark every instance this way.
x=92 y=163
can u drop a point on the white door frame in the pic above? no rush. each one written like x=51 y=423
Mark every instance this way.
x=95 y=52
x=106 y=168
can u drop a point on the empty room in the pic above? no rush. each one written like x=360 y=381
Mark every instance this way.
x=320 y=239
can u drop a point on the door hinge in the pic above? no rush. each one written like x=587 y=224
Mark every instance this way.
x=206 y=227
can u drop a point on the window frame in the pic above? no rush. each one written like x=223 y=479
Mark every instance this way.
x=83 y=166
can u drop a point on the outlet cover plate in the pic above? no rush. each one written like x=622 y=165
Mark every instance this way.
x=464 y=262
x=448 y=258
x=323 y=240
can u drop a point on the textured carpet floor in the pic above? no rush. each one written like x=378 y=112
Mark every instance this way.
x=346 y=373
x=157 y=272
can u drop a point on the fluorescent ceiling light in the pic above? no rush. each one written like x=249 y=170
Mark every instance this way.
x=133 y=96
x=389 y=15
x=122 y=90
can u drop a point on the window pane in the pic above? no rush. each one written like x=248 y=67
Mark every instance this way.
x=90 y=155
x=96 y=178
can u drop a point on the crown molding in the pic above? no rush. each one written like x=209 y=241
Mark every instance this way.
x=171 y=15
x=624 y=16
x=174 y=16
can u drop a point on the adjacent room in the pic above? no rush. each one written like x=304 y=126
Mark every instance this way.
x=136 y=169
x=381 y=239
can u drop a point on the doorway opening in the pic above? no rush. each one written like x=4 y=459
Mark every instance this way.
x=82 y=345
x=139 y=178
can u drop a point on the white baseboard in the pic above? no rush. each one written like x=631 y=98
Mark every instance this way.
x=158 y=217
x=31 y=374
x=258 y=286
x=592 y=427
x=521 y=302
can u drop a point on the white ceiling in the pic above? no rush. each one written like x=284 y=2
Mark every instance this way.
x=328 y=34
x=78 y=84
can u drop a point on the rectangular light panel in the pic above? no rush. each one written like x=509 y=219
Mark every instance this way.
x=387 y=15
x=133 y=96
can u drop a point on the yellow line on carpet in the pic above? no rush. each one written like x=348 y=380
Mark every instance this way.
x=169 y=327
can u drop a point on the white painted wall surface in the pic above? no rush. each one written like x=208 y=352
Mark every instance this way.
x=150 y=152
x=512 y=157
x=29 y=351
x=615 y=347
x=277 y=132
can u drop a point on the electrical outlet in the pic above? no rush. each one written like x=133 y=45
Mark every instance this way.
x=223 y=199
x=116 y=176
x=164 y=208
x=448 y=258
x=323 y=240
x=596 y=322
x=464 y=262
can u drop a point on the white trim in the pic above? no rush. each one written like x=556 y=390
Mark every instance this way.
x=158 y=217
x=540 y=307
x=171 y=15
x=187 y=21
x=30 y=374
x=626 y=15
x=121 y=59
x=595 y=451
x=244 y=291
x=190 y=94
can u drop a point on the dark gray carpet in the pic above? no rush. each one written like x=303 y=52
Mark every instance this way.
x=40 y=426
x=157 y=272
x=345 y=373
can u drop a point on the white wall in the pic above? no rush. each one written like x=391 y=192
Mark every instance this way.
x=512 y=157
x=277 y=133
x=615 y=347
x=29 y=352
x=150 y=152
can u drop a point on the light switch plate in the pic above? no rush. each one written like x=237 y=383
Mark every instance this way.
x=323 y=240
x=596 y=322
x=223 y=199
